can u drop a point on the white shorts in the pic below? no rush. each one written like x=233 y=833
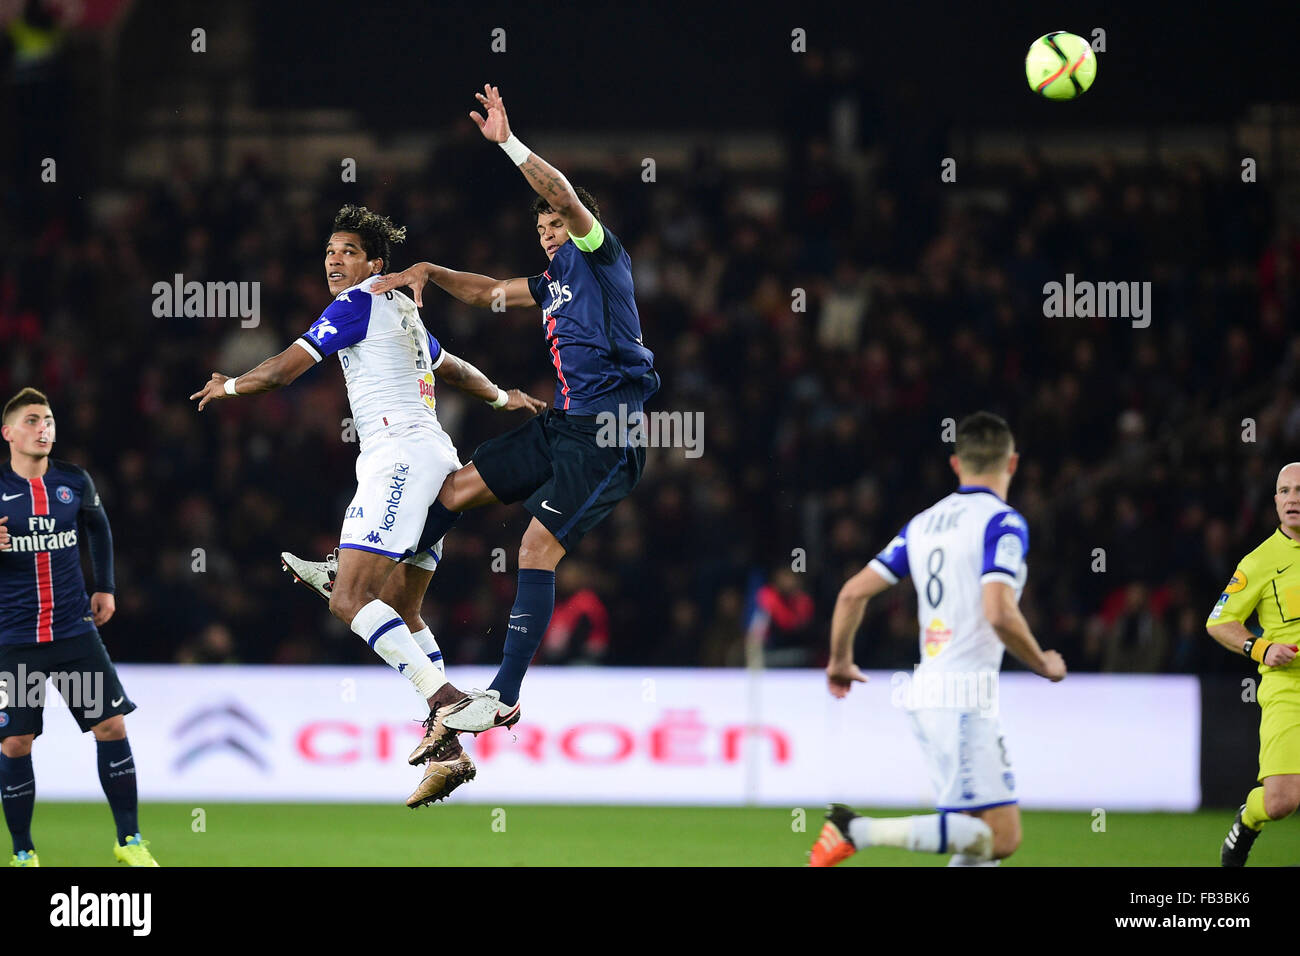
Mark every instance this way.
x=966 y=758
x=399 y=474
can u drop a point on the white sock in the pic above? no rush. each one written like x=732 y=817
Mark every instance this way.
x=383 y=629
x=961 y=859
x=424 y=637
x=932 y=833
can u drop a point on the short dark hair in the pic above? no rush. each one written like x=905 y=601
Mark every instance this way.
x=541 y=206
x=983 y=442
x=378 y=233
x=28 y=396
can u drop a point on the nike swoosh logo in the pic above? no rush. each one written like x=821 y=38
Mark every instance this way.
x=11 y=497
x=513 y=616
x=114 y=703
x=1280 y=570
x=21 y=785
x=120 y=762
x=547 y=506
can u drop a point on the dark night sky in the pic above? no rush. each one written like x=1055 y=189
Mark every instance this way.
x=691 y=65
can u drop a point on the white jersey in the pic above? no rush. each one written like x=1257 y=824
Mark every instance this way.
x=388 y=358
x=951 y=550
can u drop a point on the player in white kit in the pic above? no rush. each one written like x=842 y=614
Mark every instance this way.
x=389 y=363
x=966 y=556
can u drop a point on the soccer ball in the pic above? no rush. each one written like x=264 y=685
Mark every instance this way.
x=1060 y=66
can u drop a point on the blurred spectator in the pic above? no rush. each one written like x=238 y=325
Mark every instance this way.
x=579 y=630
x=782 y=622
x=823 y=426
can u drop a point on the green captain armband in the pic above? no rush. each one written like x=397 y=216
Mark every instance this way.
x=592 y=240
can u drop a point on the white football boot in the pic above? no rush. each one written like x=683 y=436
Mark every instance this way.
x=483 y=712
x=317 y=575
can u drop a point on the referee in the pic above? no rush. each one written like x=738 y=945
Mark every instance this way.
x=1267 y=583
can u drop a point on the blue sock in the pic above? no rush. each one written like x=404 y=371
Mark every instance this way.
x=534 y=602
x=18 y=800
x=117 y=775
x=437 y=522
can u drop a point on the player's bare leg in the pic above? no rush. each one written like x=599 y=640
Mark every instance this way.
x=19 y=746
x=1004 y=821
x=464 y=489
x=539 y=554
x=539 y=548
x=1281 y=795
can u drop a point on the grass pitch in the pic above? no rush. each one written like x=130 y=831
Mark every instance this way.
x=247 y=834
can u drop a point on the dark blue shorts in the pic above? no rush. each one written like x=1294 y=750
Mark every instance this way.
x=78 y=668
x=566 y=478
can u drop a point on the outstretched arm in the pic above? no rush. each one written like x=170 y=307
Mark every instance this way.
x=546 y=180
x=469 y=287
x=275 y=372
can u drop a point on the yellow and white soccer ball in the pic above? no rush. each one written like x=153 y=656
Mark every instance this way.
x=1060 y=65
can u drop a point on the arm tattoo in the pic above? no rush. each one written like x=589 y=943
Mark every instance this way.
x=548 y=181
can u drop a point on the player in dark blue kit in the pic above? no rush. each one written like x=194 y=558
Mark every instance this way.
x=555 y=464
x=49 y=626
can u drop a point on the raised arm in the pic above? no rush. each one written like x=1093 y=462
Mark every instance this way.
x=546 y=180
x=469 y=287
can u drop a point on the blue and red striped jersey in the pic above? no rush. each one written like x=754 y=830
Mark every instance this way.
x=593 y=329
x=42 y=591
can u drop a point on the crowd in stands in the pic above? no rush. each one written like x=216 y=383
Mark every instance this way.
x=827 y=324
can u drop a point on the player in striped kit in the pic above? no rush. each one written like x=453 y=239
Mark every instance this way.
x=967 y=556
x=49 y=626
x=386 y=556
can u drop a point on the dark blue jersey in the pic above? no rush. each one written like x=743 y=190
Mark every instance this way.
x=42 y=592
x=592 y=327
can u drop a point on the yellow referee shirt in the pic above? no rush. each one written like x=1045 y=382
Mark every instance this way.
x=1267 y=583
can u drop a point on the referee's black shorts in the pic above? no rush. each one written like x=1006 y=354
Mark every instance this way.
x=77 y=667
x=566 y=478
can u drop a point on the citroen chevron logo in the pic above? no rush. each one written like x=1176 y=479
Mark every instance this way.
x=224 y=727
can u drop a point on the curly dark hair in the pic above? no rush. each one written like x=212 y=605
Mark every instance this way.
x=378 y=233
x=541 y=206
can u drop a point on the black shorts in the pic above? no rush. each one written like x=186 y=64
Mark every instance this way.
x=566 y=479
x=79 y=670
